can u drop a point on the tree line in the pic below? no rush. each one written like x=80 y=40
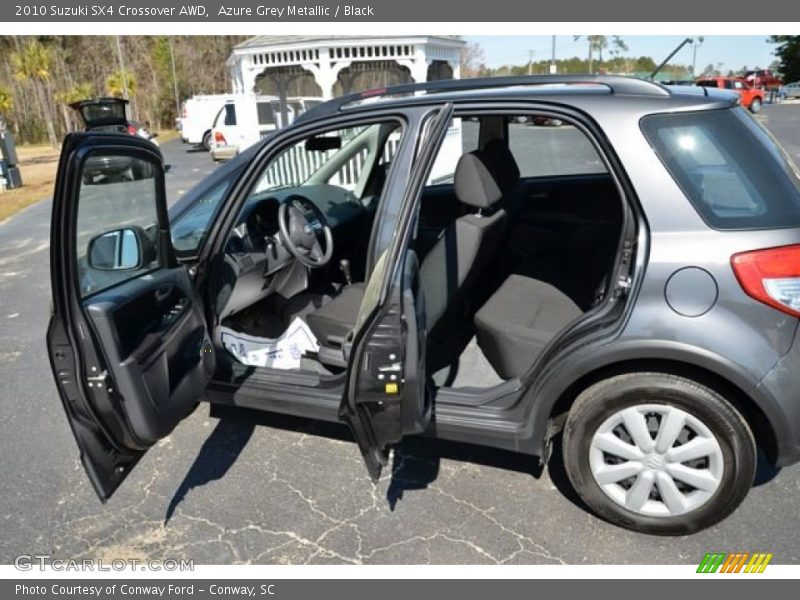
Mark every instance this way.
x=41 y=75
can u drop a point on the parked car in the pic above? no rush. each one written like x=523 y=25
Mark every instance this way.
x=246 y=119
x=752 y=98
x=197 y=118
x=110 y=115
x=791 y=90
x=763 y=79
x=242 y=121
x=626 y=283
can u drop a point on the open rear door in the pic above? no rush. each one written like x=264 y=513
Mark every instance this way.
x=386 y=395
x=127 y=340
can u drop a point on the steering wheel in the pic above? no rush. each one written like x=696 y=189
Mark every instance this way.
x=305 y=232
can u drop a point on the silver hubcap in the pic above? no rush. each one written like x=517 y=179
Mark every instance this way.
x=656 y=460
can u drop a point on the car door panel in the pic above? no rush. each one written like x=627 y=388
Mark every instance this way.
x=127 y=340
x=154 y=341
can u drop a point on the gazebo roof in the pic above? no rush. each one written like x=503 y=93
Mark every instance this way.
x=266 y=41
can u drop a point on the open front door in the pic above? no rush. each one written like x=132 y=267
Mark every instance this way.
x=386 y=396
x=127 y=340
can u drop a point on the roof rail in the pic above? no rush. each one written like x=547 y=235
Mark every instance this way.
x=616 y=84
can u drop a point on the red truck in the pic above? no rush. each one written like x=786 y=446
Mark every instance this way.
x=752 y=98
x=763 y=78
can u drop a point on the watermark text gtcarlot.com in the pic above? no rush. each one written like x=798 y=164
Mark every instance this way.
x=42 y=562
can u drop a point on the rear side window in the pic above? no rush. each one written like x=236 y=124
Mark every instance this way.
x=732 y=170
x=707 y=83
x=545 y=147
x=230 y=114
x=266 y=114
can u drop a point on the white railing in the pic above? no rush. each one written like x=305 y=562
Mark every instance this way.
x=296 y=165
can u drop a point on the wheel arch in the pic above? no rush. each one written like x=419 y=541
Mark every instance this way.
x=764 y=429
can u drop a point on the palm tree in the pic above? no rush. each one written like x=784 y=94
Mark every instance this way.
x=120 y=82
x=33 y=63
x=6 y=105
x=77 y=92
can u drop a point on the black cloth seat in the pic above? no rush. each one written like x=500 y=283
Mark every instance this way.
x=450 y=268
x=518 y=321
x=333 y=321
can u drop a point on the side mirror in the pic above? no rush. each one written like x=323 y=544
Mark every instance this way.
x=118 y=250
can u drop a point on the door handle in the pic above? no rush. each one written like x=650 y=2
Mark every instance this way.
x=162 y=294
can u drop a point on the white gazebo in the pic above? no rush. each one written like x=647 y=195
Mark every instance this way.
x=335 y=62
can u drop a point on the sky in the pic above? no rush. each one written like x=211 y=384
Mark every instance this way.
x=733 y=51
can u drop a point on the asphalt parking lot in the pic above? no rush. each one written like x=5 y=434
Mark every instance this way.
x=273 y=489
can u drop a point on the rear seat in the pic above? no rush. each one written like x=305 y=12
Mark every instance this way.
x=520 y=318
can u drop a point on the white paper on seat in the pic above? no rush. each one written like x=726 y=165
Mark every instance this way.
x=284 y=352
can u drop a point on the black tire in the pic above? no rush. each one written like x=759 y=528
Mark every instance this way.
x=206 y=143
x=755 y=105
x=605 y=398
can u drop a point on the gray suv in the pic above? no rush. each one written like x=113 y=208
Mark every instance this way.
x=601 y=262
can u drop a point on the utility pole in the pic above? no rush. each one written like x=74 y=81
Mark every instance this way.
x=697 y=42
x=553 y=68
x=530 y=62
x=122 y=70
x=174 y=80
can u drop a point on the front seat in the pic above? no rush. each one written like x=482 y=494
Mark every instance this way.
x=448 y=272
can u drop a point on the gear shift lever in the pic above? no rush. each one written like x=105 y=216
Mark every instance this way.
x=344 y=267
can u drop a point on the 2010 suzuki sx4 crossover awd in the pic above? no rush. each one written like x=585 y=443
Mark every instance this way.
x=497 y=262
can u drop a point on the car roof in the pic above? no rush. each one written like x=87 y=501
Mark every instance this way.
x=582 y=91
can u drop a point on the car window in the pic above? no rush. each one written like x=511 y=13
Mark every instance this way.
x=117 y=221
x=732 y=170
x=545 y=147
x=340 y=158
x=189 y=229
x=707 y=83
x=266 y=113
x=738 y=85
x=461 y=138
x=230 y=114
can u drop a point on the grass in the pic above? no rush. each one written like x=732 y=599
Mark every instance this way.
x=38 y=164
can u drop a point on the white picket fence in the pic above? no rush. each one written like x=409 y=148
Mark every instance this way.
x=296 y=165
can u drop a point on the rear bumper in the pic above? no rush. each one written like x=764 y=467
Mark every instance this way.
x=224 y=152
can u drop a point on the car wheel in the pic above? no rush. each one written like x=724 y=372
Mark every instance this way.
x=658 y=453
x=207 y=140
x=755 y=105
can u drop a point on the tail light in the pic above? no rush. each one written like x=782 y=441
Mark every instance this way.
x=771 y=276
x=132 y=129
x=219 y=138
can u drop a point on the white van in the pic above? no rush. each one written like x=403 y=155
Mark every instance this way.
x=245 y=119
x=197 y=118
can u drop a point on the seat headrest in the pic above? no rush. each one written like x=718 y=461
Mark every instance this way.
x=474 y=184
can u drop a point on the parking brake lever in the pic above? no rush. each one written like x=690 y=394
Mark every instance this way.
x=344 y=266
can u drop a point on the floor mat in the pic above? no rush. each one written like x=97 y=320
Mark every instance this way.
x=473 y=370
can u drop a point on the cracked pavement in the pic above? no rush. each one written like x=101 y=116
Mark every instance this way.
x=270 y=489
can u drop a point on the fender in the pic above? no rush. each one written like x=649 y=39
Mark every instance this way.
x=541 y=397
